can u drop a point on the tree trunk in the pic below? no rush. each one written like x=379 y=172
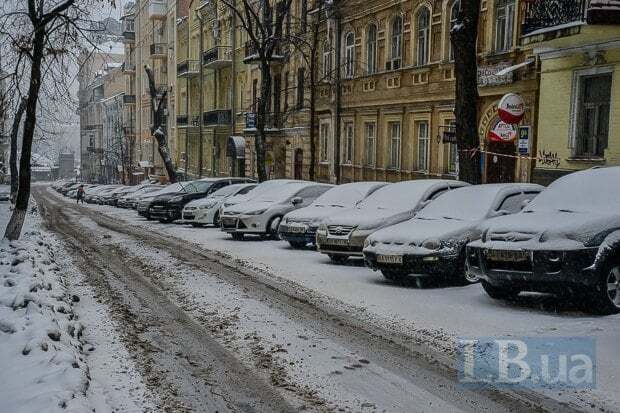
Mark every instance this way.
x=13 y=156
x=313 y=73
x=464 y=37
x=14 y=227
x=263 y=106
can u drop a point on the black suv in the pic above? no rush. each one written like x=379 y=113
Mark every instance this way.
x=168 y=207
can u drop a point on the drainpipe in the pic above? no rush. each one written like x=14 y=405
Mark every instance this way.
x=201 y=103
x=233 y=77
x=187 y=92
x=338 y=98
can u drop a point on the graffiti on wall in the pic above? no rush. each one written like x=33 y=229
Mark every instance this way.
x=548 y=158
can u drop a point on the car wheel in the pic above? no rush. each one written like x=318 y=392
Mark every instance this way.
x=499 y=293
x=297 y=244
x=606 y=295
x=392 y=275
x=465 y=276
x=237 y=236
x=272 y=227
x=196 y=225
x=338 y=259
x=216 y=219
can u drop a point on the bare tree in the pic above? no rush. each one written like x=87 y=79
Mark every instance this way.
x=158 y=128
x=17 y=119
x=464 y=36
x=265 y=39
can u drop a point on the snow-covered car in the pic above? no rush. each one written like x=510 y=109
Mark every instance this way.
x=433 y=242
x=343 y=234
x=130 y=200
x=258 y=190
x=262 y=214
x=144 y=202
x=567 y=240
x=299 y=226
x=206 y=211
x=5 y=193
x=96 y=196
x=168 y=207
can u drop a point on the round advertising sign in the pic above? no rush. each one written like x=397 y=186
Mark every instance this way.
x=503 y=132
x=511 y=108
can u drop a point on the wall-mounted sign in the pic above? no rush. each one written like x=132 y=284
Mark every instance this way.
x=448 y=134
x=503 y=132
x=487 y=74
x=524 y=140
x=511 y=108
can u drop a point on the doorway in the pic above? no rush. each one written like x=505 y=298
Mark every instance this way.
x=299 y=164
x=500 y=169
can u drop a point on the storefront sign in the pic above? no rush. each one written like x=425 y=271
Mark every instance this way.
x=448 y=134
x=511 y=108
x=487 y=74
x=524 y=140
x=503 y=132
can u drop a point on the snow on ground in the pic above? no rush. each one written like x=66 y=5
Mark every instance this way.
x=442 y=314
x=48 y=344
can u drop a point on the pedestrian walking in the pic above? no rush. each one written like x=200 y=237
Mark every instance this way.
x=80 y=194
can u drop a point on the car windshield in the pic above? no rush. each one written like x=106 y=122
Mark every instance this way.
x=226 y=191
x=473 y=204
x=278 y=194
x=178 y=187
x=199 y=186
x=588 y=191
x=344 y=196
x=399 y=196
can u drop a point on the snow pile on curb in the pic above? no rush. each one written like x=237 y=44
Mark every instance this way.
x=40 y=348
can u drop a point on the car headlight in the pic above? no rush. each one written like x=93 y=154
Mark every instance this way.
x=177 y=198
x=322 y=229
x=366 y=242
x=431 y=244
x=258 y=212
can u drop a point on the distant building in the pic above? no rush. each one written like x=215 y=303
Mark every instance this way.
x=66 y=165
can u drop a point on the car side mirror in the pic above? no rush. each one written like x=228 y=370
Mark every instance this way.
x=501 y=212
x=297 y=200
x=525 y=203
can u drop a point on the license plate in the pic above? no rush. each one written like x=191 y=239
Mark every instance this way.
x=297 y=229
x=390 y=259
x=337 y=241
x=229 y=222
x=504 y=255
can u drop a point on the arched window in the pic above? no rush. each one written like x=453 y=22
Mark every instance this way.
x=371 y=49
x=327 y=60
x=349 y=59
x=423 y=25
x=504 y=24
x=454 y=14
x=396 y=44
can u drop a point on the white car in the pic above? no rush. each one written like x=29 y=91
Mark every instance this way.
x=262 y=214
x=299 y=227
x=258 y=190
x=206 y=211
x=342 y=235
x=432 y=244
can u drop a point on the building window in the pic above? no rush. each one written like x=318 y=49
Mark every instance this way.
x=300 y=87
x=254 y=94
x=371 y=49
x=349 y=59
x=394 y=130
x=396 y=46
x=324 y=141
x=371 y=138
x=286 y=91
x=593 y=102
x=277 y=90
x=452 y=161
x=423 y=36
x=454 y=14
x=303 y=13
x=423 y=140
x=327 y=60
x=348 y=143
x=504 y=22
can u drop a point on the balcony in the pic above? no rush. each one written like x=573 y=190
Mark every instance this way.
x=188 y=68
x=157 y=10
x=129 y=31
x=217 y=57
x=217 y=118
x=129 y=99
x=187 y=121
x=251 y=54
x=549 y=16
x=129 y=69
x=159 y=50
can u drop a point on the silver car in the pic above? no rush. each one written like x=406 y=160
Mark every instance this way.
x=342 y=235
x=206 y=211
x=262 y=215
x=299 y=227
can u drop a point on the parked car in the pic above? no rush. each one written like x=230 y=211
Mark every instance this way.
x=130 y=200
x=432 y=244
x=299 y=227
x=206 y=211
x=262 y=214
x=567 y=240
x=168 y=207
x=5 y=193
x=110 y=197
x=69 y=186
x=144 y=202
x=258 y=190
x=343 y=234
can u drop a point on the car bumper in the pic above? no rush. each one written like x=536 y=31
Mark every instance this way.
x=298 y=233
x=168 y=214
x=350 y=246
x=246 y=224
x=198 y=216
x=534 y=270
x=415 y=264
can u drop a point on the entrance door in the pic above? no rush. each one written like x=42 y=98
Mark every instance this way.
x=299 y=163
x=500 y=169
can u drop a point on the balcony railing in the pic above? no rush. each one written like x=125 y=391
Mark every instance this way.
x=547 y=14
x=272 y=120
x=157 y=9
x=188 y=68
x=218 y=117
x=129 y=68
x=129 y=99
x=129 y=36
x=216 y=57
x=159 y=50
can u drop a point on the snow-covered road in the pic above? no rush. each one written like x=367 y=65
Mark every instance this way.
x=426 y=320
